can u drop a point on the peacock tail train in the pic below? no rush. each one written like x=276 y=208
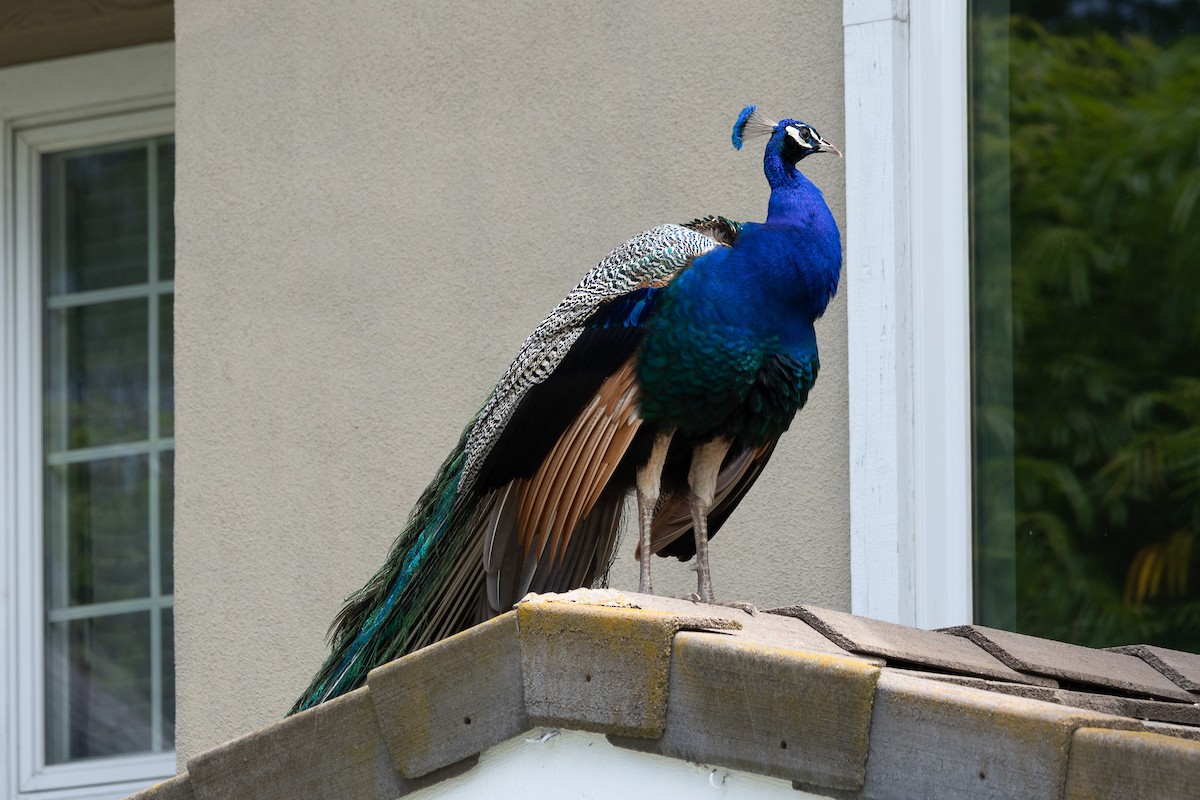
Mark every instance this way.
x=389 y=615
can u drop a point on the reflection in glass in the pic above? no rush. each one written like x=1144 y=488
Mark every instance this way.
x=101 y=239
x=98 y=678
x=100 y=554
x=1085 y=240
x=97 y=374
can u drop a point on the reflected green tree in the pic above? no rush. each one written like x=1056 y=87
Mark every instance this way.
x=1099 y=316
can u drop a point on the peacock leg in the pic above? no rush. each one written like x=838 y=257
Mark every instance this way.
x=649 y=480
x=702 y=482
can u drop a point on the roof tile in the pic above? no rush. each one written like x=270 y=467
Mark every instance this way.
x=1124 y=765
x=177 y=788
x=781 y=712
x=779 y=630
x=763 y=693
x=332 y=750
x=935 y=739
x=1180 y=714
x=908 y=645
x=430 y=722
x=1071 y=662
x=590 y=664
x=1182 y=668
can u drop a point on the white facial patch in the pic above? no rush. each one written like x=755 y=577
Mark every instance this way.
x=794 y=132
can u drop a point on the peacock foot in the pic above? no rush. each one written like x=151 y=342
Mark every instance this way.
x=749 y=608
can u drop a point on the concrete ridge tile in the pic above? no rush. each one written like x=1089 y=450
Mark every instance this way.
x=770 y=694
x=788 y=713
x=429 y=722
x=1172 y=729
x=634 y=601
x=593 y=663
x=177 y=788
x=931 y=738
x=1122 y=765
x=1180 y=714
x=332 y=750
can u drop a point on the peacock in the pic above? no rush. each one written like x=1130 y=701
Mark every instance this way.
x=671 y=369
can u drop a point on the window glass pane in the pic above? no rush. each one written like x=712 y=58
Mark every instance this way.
x=97 y=368
x=98 y=687
x=108 y=410
x=101 y=203
x=102 y=553
x=1085 y=200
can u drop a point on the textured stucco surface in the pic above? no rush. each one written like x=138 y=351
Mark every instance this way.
x=375 y=204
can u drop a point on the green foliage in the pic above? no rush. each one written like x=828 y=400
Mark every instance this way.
x=1098 y=314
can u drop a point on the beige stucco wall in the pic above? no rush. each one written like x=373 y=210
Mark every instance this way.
x=376 y=202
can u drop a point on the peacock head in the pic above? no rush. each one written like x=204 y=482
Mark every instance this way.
x=791 y=140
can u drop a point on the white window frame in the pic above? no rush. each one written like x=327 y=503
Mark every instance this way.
x=44 y=107
x=909 y=310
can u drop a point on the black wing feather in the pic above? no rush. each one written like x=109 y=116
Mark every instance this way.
x=610 y=336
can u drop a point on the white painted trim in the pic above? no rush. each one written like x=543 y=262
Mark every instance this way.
x=941 y=313
x=51 y=105
x=879 y=310
x=908 y=310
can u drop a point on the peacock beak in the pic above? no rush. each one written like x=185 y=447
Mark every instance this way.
x=826 y=147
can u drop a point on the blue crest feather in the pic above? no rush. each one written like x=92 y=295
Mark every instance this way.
x=751 y=123
x=740 y=125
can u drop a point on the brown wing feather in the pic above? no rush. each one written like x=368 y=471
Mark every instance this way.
x=547 y=483
x=622 y=425
x=557 y=501
x=587 y=557
x=555 y=478
x=587 y=443
x=570 y=485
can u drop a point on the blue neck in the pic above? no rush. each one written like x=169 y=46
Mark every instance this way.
x=797 y=210
x=779 y=173
x=778 y=277
x=794 y=198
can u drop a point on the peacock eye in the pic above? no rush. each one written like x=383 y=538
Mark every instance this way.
x=801 y=135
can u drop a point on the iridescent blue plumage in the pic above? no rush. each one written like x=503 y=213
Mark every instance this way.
x=672 y=368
